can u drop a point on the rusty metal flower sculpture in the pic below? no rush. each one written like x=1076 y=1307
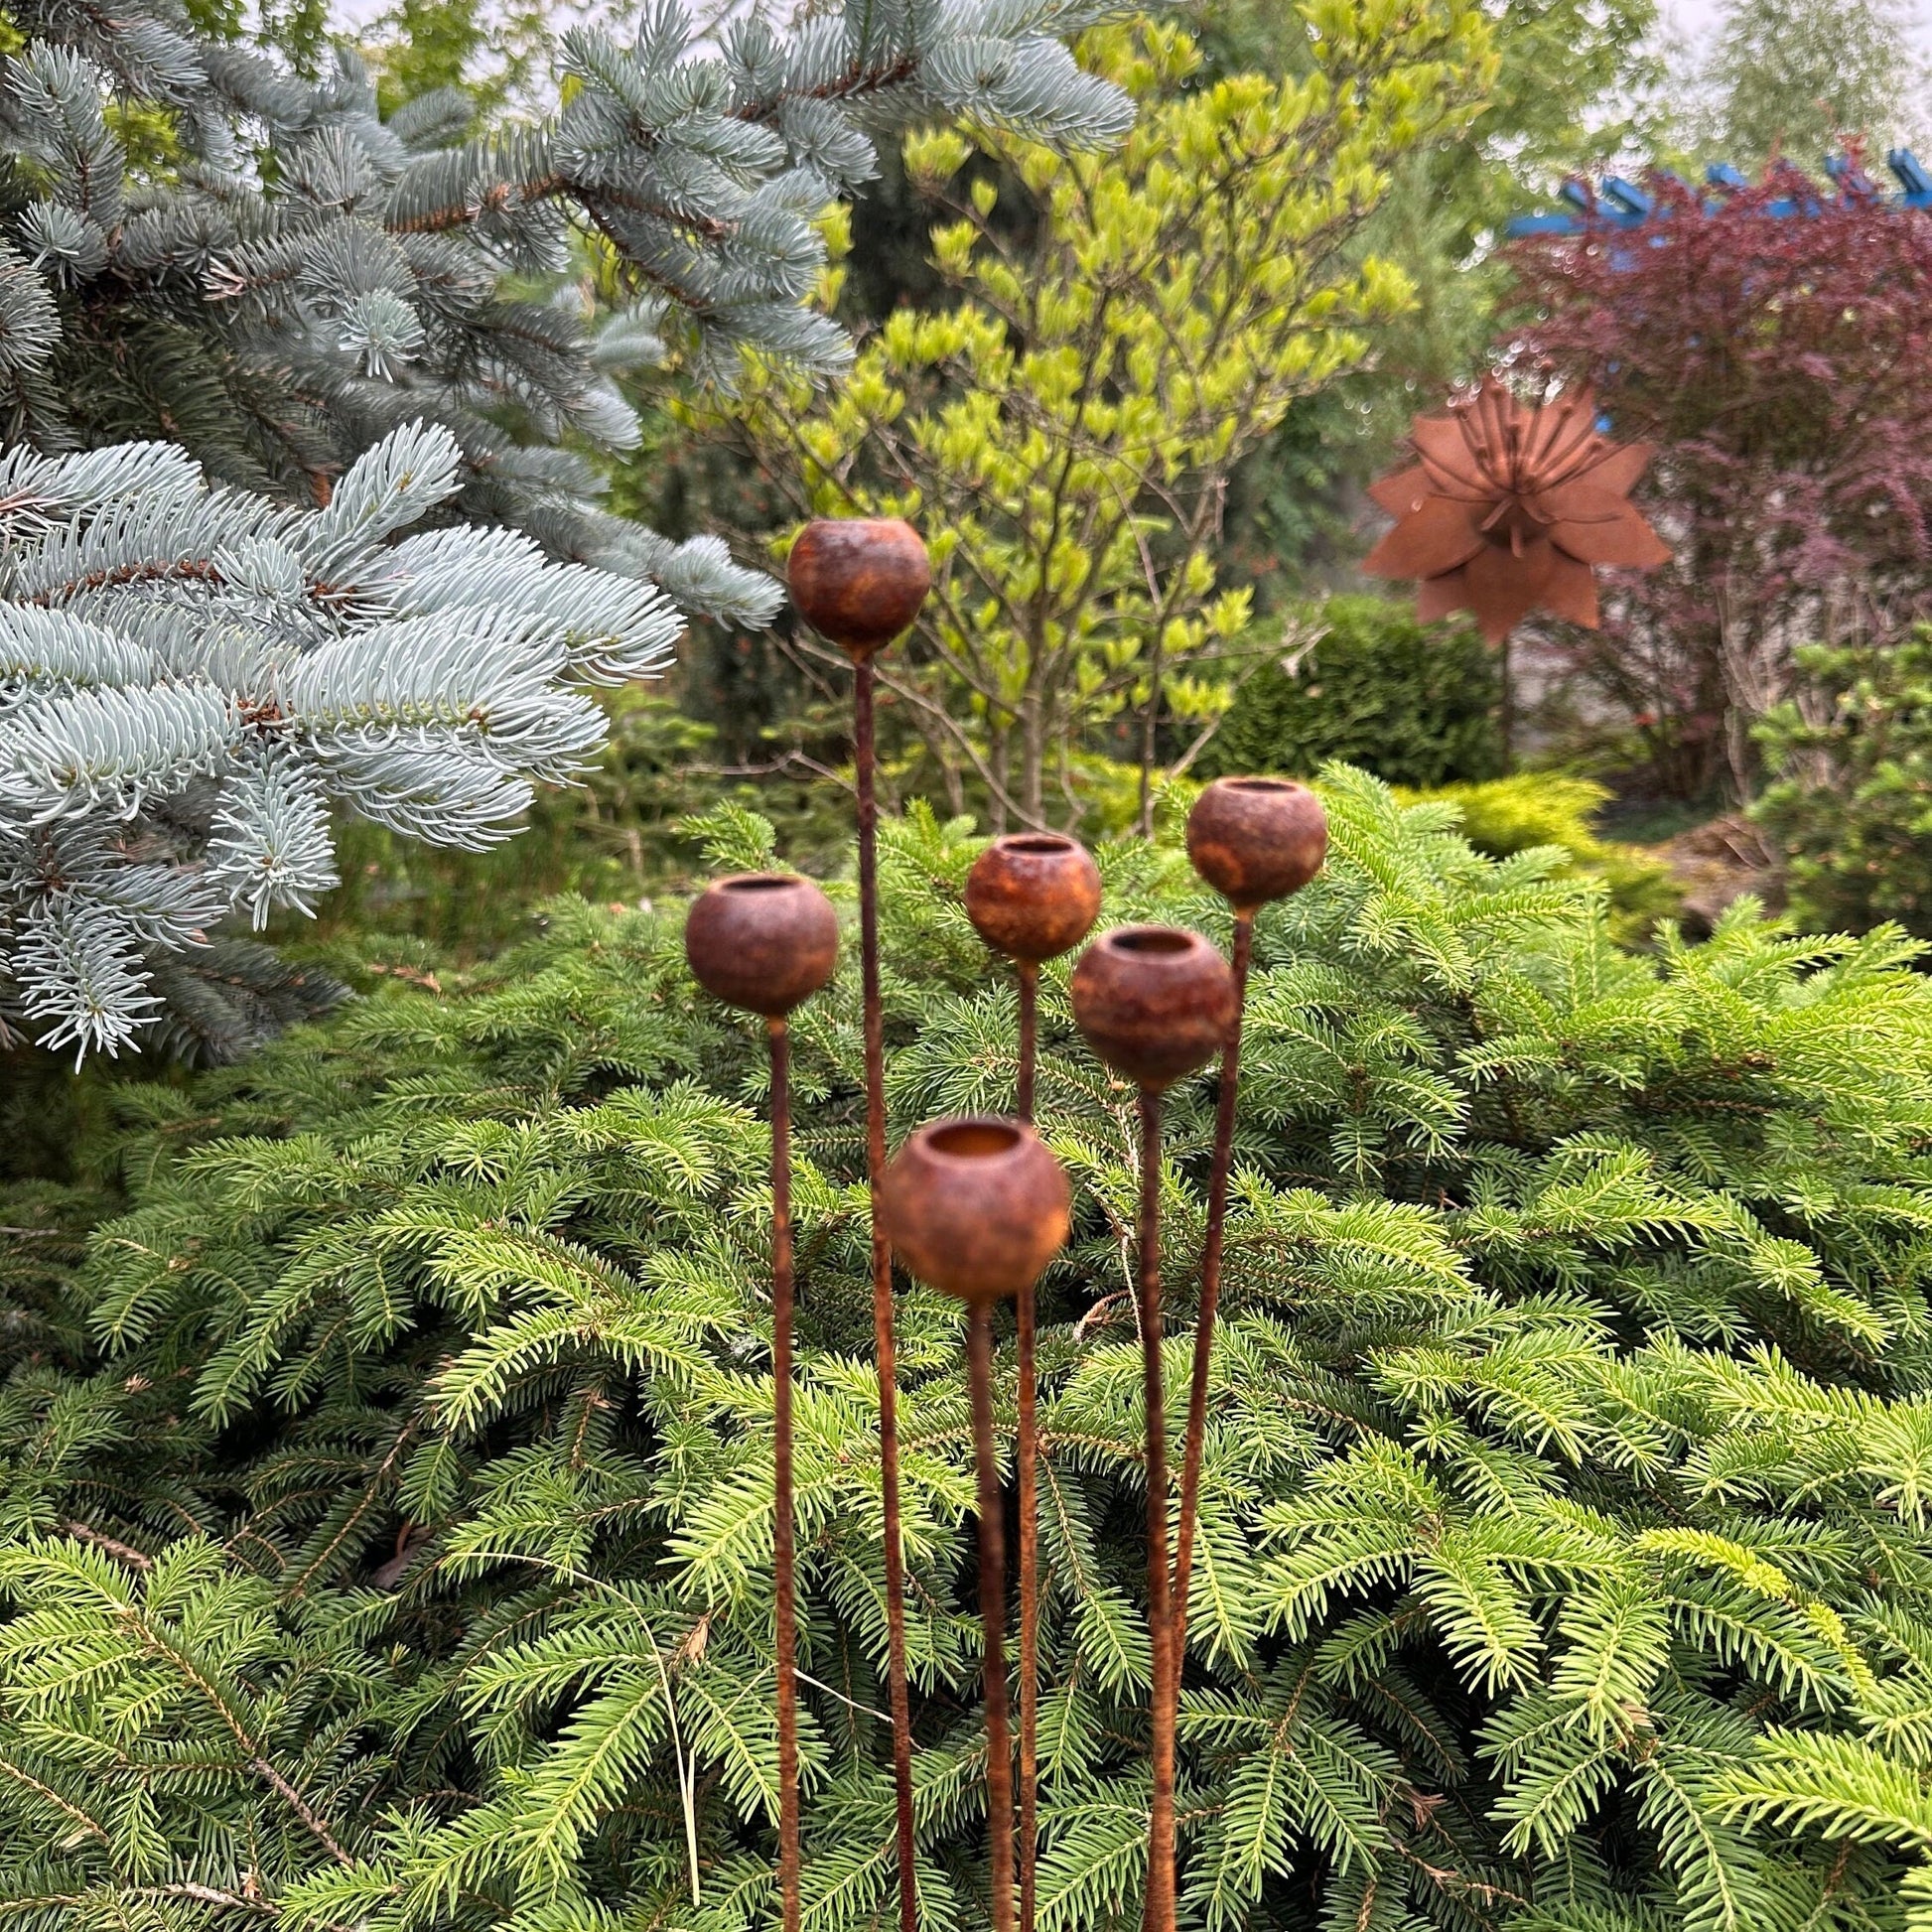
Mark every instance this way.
x=1510 y=508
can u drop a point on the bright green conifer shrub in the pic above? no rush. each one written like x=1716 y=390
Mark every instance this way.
x=1505 y=816
x=386 y=1503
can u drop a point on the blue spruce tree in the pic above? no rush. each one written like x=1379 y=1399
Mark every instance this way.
x=300 y=506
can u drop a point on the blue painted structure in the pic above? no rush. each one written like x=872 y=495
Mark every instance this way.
x=1620 y=203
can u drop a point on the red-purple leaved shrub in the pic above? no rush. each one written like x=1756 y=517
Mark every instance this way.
x=1782 y=363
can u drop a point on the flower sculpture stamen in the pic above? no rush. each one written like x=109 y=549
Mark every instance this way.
x=1508 y=509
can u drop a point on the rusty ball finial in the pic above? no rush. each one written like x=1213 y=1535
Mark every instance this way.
x=1257 y=839
x=977 y=1207
x=859 y=580
x=762 y=941
x=1034 y=895
x=1155 y=1002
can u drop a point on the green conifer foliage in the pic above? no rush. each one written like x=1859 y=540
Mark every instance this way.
x=1851 y=770
x=387 y=1501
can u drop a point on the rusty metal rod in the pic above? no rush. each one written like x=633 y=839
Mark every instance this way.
x=993 y=1585
x=898 y=1696
x=1028 y=1461
x=1159 y=1913
x=1028 y=1034
x=782 y=1549
x=1211 y=1292
x=1029 y=1475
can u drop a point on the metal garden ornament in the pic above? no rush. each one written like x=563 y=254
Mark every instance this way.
x=978 y=1207
x=1510 y=508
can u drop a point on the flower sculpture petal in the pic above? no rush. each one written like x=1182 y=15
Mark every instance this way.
x=1509 y=509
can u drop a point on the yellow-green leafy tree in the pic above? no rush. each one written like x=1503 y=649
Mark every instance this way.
x=1128 y=326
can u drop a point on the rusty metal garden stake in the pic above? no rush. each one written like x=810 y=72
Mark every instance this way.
x=783 y=1553
x=1163 y=1702
x=1510 y=508
x=1026 y=973
x=1254 y=840
x=766 y=941
x=860 y=582
x=1032 y=896
x=1155 y=1003
x=1026 y=1473
x=993 y=1590
x=978 y=1207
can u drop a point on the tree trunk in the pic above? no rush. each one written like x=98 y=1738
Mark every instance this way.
x=1149 y=726
x=1033 y=759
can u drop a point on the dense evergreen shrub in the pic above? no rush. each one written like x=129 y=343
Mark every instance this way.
x=1850 y=807
x=1417 y=705
x=386 y=1503
x=1505 y=816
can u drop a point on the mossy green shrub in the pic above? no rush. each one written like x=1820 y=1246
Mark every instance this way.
x=1849 y=805
x=385 y=1519
x=1418 y=705
x=1505 y=816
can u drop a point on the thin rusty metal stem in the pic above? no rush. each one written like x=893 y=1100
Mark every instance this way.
x=1211 y=1292
x=782 y=1549
x=1029 y=1475
x=1159 y=1915
x=1028 y=1034
x=884 y=1347
x=993 y=1587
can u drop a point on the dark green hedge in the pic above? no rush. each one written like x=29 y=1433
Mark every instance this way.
x=1418 y=705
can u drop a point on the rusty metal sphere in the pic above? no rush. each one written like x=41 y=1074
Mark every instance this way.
x=1033 y=895
x=977 y=1207
x=1155 y=1002
x=1257 y=839
x=859 y=580
x=762 y=941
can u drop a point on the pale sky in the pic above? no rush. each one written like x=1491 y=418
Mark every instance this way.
x=1690 y=21
x=1695 y=19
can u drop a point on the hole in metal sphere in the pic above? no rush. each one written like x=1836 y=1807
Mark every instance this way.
x=1151 y=940
x=973 y=1139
